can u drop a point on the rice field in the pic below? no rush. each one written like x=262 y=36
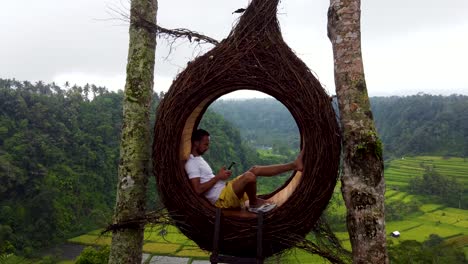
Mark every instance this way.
x=433 y=218
x=401 y=170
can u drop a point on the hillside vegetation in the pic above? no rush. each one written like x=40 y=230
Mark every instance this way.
x=262 y=122
x=58 y=162
x=422 y=125
x=411 y=125
x=59 y=151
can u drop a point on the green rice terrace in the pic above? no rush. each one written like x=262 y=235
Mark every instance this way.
x=428 y=218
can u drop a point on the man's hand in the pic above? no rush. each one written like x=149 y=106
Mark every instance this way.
x=224 y=174
x=201 y=188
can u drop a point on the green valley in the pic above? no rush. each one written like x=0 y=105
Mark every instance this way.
x=59 y=156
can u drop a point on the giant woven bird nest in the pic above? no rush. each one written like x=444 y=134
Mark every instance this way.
x=253 y=57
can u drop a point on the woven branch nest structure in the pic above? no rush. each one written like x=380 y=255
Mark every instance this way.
x=255 y=57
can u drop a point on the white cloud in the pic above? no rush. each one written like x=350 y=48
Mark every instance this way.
x=408 y=46
x=430 y=61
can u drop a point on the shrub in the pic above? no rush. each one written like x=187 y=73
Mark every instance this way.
x=90 y=255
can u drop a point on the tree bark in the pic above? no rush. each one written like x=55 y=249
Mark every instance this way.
x=133 y=171
x=363 y=184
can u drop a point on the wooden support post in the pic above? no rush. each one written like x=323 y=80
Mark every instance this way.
x=217 y=231
x=260 y=239
x=216 y=258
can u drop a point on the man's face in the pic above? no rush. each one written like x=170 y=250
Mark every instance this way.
x=202 y=145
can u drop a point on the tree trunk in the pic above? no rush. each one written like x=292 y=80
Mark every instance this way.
x=133 y=169
x=363 y=184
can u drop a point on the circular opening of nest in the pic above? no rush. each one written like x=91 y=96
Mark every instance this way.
x=283 y=187
x=302 y=198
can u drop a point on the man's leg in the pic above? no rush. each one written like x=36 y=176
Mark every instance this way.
x=272 y=170
x=248 y=181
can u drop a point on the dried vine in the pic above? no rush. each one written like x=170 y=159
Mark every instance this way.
x=159 y=31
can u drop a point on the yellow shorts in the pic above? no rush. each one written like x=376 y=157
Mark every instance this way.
x=228 y=198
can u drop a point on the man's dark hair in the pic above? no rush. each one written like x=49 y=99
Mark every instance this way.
x=198 y=134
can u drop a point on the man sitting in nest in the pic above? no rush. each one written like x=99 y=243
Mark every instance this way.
x=234 y=193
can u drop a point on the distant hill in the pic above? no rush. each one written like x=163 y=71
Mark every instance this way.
x=262 y=122
x=423 y=124
x=412 y=125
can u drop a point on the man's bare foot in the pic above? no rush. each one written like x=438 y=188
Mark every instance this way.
x=299 y=163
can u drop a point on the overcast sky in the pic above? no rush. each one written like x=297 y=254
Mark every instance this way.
x=409 y=46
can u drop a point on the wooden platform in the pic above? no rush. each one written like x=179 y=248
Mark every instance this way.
x=240 y=213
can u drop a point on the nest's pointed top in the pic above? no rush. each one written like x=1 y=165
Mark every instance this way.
x=260 y=16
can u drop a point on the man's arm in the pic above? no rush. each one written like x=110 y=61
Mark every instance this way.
x=201 y=188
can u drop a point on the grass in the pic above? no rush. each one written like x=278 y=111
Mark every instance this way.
x=193 y=252
x=88 y=239
x=427 y=208
x=297 y=256
x=401 y=170
x=161 y=248
x=398 y=197
x=401 y=225
x=268 y=153
x=433 y=218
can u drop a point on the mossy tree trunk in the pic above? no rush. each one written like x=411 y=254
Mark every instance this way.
x=363 y=184
x=133 y=169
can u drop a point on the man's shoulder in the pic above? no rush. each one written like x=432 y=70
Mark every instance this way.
x=192 y=162
x=191 y=159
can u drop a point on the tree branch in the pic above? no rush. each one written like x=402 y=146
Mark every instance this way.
x=176 y=33
x=183 y=32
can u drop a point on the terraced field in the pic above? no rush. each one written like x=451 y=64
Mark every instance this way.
x=161 y=241
x=398 y=173
x=432 y=218
x=175 y=244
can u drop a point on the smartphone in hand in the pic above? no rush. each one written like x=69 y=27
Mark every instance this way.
x=232 y=164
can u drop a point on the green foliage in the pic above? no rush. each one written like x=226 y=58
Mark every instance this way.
x=422 y=125
x=412 y=125
x=433 y=250
x=263 y=122
x=90 y=255
x=447 y=189
x=13 y=259
x=58 y=162
x=59 y=154
x=399 y=210
x=226 y=145
x=335 y=214
x=47 y=260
